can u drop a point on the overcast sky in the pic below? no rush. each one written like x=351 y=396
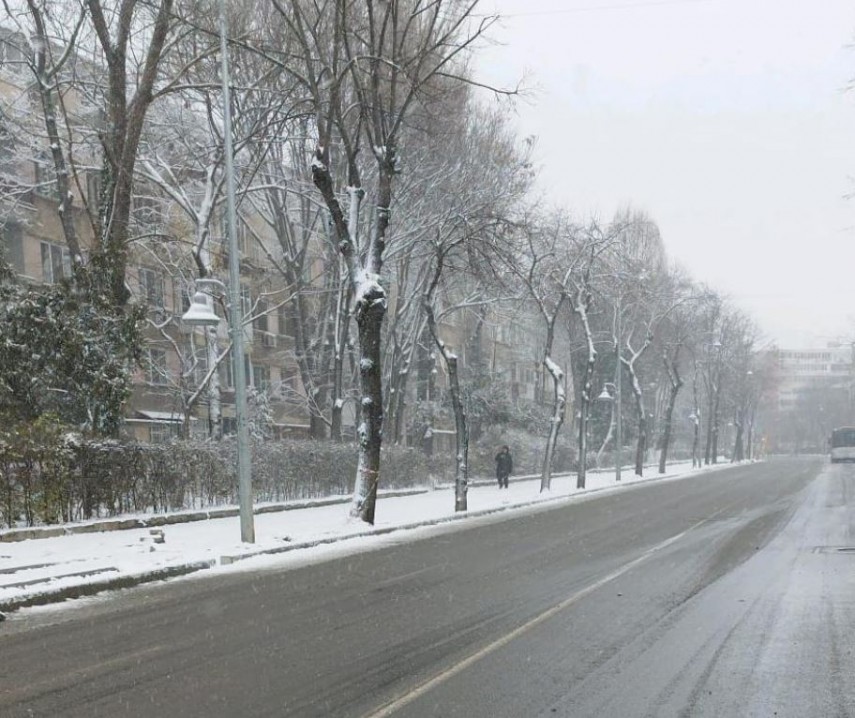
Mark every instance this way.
x=728 y=121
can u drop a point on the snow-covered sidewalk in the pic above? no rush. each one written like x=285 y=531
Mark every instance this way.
x=51 y=569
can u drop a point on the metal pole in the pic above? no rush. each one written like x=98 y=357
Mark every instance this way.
x=618 y=425
x=247 y=527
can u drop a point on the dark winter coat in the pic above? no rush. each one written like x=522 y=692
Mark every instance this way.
x=504 y=464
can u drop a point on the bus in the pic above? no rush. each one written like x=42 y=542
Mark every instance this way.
x=843 y=444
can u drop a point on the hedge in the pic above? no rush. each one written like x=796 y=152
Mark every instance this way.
x=61 y=479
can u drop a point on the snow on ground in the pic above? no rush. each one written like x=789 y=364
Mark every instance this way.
x=48 y=564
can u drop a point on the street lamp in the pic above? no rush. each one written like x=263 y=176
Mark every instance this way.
x=202 y=314
x=614 y=395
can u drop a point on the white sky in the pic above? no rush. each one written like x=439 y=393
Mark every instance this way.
x=728 y=121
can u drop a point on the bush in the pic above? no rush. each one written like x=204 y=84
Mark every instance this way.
x=49 y=476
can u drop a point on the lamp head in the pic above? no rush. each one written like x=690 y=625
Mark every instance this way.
x=200 y=312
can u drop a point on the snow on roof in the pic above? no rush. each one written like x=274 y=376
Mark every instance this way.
x=148 y=415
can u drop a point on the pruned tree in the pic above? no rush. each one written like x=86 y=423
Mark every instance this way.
x=365 y=67
x=545 y=263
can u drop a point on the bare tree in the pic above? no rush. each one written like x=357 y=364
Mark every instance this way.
x=545 y=264
x=365 y=67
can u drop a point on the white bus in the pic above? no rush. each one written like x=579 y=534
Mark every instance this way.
x=843 y=444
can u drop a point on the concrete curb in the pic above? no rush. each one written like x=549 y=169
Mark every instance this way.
x=94 y=587
x=90 y=589
x=43 y=532
x=15 y=535
x=234 y=558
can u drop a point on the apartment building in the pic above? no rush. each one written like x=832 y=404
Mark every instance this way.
x=166 y=399
x=160 y=275
x=803 y=370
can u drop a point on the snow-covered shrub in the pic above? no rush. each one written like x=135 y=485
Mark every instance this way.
x=64 y=352
x=48 y=477
x=34 y=461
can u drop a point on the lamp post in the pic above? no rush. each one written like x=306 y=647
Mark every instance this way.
x=614 y=396
x=201 y=313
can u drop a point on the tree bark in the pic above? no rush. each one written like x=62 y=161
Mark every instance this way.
x=370 y=310
x=559 y=404
x=675 y=384
x=461 y=471
x=126 y=116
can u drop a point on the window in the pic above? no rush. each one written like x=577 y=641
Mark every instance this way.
x=56 y=262
x=261 y=377
x=93 y=189
x=12 y=242
x=151 y=287
x=7 y=151
x=11 y=55
x=245 y=300
x=162 y=433
x=261 y=308
x=285 y=320
x=156 y=370
x=243 y=235
x=244 y=240
x=200 y=365
x=147 y=209
x=228 y=376
x=45 y=176
x=183 y=294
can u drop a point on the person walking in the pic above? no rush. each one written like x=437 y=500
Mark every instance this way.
x=504 y=466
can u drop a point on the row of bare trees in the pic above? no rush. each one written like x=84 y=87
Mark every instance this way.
x=389 y=207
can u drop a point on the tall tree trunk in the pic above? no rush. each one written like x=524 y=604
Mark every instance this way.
x=666 y=428
x=738 y=448
x=708 y=446
x=641 y=442
x=675 y=384
x=715 y=421
x=584 y=410
x=45 y=78
x=559 y=405
x=580 y=306
x=641 y=446
x=461 y=469
x=370 y=310
x=126 y=116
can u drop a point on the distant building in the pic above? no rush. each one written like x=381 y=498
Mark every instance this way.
x=814 y=393
x=807 y=370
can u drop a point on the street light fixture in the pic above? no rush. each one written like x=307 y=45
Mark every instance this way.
x=201 y=313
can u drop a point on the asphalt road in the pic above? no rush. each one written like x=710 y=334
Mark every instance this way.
x=727 y=594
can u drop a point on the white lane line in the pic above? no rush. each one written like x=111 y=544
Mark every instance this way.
x=442 y=677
